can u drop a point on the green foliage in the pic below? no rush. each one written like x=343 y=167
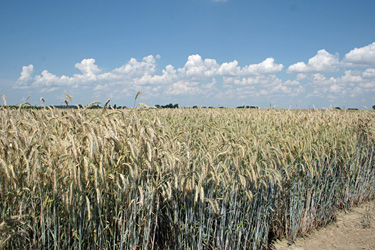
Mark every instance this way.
x=168 y=106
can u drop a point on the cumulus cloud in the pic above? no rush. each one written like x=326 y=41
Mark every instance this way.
x=142 y=73
x=261 y=85
x=182 y=88
x=198 y=76
x=268 y=66
x=90 y=75
x=301 y=76
x=255 y=80
x=88 y=68
x=47 y=79
x=321 y=62
x=137 y=68
x=369 y=73
x=196 y=68
x=229 y=69
x=362 y=56
x=351 y=76
x=205 y=77
x=353 y=83
x=26 y=73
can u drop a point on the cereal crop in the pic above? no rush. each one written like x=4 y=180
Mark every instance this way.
x=178 y=178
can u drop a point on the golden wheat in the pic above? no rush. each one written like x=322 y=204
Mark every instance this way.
x=182 y=178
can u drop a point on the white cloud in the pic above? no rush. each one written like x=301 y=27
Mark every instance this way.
x=197 y=77
x=261 y=85
x=204 y=78
x=90 y=75
x=26 y=73
x=369 y=73
x=292 y=82
x=362 y=56
x=321 y=62
x=88 y=68
x=350 y=84
x=229 y=69
x=47 y=79
x=268 y=66
x=169 y=74
x=142 y=73
x=351 y=77
x=196 y=68
x=136 y=68
x=183 y=88
x=301 y=76
x=254 y=80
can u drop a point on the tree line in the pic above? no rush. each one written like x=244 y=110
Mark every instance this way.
x=97 y=106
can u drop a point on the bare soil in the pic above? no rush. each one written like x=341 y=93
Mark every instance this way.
x=352 y=230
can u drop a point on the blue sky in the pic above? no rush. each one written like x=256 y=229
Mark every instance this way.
x=291 y=53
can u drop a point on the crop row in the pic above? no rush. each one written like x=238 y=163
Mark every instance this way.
x=178 y=179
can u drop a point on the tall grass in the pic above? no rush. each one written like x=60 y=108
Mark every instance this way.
x=178 y=179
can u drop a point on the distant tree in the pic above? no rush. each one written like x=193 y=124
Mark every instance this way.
x=168 y=106
x=195 y=107
x=373 y=107
x=337 y=108
x=96 y=107
x=247 y=107
x=157 y=106
x=352 y=109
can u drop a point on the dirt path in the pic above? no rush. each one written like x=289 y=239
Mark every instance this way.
x=347 y=233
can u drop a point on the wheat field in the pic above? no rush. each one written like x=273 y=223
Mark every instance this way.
x=178 y=178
